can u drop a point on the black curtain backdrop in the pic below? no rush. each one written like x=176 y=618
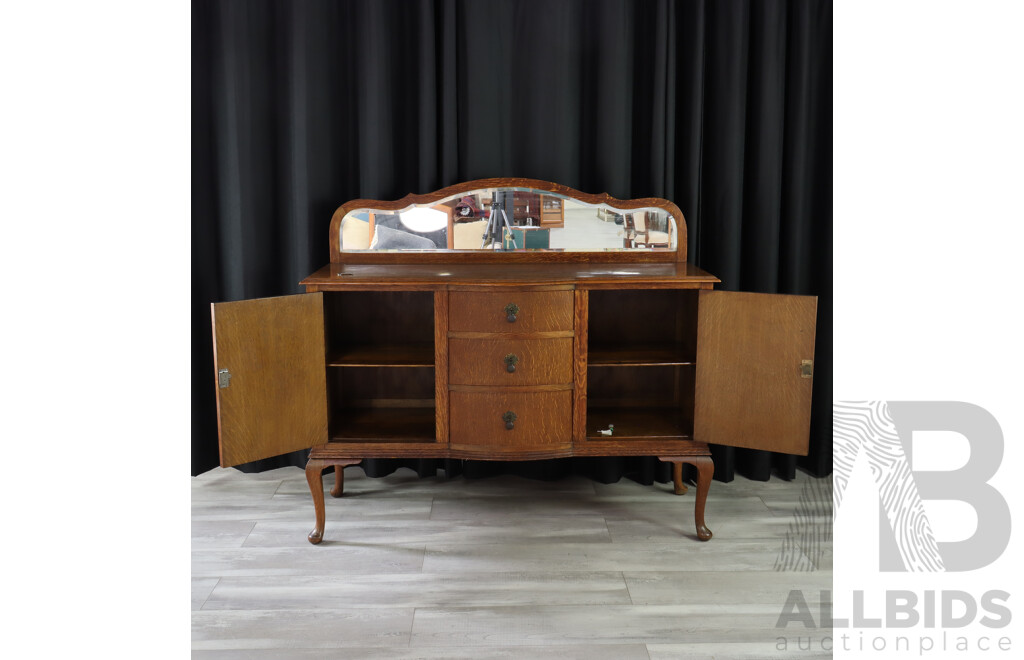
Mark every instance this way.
x=723 y=107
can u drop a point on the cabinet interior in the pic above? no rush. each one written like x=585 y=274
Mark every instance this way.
x=380 y=366
x=641 y=362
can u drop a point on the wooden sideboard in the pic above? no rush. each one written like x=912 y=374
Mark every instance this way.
x=512 y=356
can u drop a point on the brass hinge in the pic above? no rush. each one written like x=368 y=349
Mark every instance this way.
x=806 y=368
x=223 y=378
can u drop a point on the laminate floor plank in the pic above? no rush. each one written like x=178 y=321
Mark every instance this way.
x=296 y=629
x=531 y=505
x=739 y=486
x=579 y=529
x=201 y=590
x=418 y=590
x=784 y=504
x=501 y=567
x=405 y=483
x=724 y=587
x=295 y=508
x=224 y=490
x=674 y=527
x=619 y=624
x=330 y=557
x=235 y=478
x=221 y=533
x=561 y=652
x=681 y=555
x=741 y=651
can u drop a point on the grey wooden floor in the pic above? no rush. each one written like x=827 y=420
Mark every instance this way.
x=500 y=568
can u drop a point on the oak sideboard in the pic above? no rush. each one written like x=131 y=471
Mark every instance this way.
x=500 y=352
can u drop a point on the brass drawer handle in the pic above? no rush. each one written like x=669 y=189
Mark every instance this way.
x=511 y=310
x=510 y=420
x=511 y=360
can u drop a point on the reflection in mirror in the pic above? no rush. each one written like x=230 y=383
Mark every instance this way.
x=509 y=219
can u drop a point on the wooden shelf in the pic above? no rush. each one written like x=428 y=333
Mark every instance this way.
x=637 y=424
x=383 y=425
x=385 y=355
x=638 y=356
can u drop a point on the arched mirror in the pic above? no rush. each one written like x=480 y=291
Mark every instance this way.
x=507 y=219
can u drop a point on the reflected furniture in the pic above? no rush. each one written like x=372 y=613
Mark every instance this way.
x=512 y=355
x=640 y=232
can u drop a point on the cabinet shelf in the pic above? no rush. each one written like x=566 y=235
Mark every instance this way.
x=384 y=424
x=637 y=423
x=383 y=355
x=639 y=356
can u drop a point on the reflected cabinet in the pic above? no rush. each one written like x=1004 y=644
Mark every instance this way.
x=506 y=352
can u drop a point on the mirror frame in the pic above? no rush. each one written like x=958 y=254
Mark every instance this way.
x=498 y=256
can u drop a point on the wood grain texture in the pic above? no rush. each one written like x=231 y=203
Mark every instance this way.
x=457 y=270
x=378 y=387
x=639 y=356
x=749 y=392
x=705 y=471
x=482 y=361
x=666 y=423
x=641 y=447
x=539 y=311
x=552 y=334
x=379 y=320
x=632 y=387
x=381 y=448
x=441 y=360
x=544 y=421
x=579 y=367
x=315 y=477
x=385 y=424
x=383 y=355
x=276 y=401
x=560 y=387
x=640 y=320
x=679 y=254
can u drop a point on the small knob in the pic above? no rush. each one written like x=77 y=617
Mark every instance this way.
x=511 y=310
x=511 y=360
x=510 y=420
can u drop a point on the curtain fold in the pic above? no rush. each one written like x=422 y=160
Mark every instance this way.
x=723 y=107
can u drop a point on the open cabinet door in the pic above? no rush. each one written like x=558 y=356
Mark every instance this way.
x=755 y=354
x=270 y=376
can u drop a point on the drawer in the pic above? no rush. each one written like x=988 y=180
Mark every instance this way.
x=543 y=421
x=483 y=361
x=484 y=311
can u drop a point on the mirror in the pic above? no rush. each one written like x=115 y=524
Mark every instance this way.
x=509 y=219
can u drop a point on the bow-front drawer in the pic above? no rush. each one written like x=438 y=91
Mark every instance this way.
x=507 y=362
x=501 y=422
x=510 y=311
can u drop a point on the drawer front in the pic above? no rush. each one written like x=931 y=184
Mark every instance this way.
x=539 y=311
x=487 y=361
x=543 y=421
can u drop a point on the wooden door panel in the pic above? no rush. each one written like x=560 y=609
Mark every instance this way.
x=750 y=391
x=275 y=399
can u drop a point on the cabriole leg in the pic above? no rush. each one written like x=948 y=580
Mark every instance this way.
x=705 y=471
x=315 y=477
x=339 y=481
x=677 y=478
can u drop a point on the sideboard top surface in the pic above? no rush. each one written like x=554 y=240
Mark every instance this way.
x=674 y=274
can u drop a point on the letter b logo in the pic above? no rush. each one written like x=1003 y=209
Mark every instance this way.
x=883 y=430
